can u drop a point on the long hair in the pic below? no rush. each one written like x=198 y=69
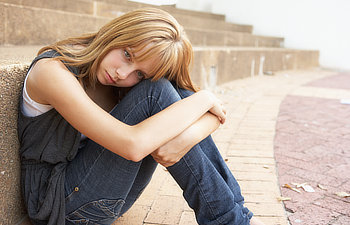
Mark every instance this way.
x=136 y=30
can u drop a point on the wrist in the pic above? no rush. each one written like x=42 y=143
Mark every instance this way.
x=207 y=97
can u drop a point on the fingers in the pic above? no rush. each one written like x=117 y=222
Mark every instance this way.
x=165 y=163
x=220 y=111
x=223 y=118
x=218 y=108
x=163 y=159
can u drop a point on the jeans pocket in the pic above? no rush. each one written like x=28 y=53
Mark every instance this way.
x=103 y=211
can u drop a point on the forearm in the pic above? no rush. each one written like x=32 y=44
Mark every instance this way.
x=199 y=130
x=172 y=121
x=175 y=149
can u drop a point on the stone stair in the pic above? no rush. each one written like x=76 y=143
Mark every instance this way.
x=223 y=52
x=201 y=30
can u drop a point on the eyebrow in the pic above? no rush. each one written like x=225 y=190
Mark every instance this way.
x=131 y=51
x=133 y=55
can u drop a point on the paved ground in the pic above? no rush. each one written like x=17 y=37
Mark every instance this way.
x=310 y=118
x=294 y=120
x=312 y=146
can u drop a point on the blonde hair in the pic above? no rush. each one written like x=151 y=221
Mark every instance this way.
x=136 y=30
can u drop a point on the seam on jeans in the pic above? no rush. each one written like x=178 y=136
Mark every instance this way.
x=201 y=191
x=87 y=174
x=140 y=102
x=87 y=213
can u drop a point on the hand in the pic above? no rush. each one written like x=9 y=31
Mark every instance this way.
x=171 y=152
x=218 y=108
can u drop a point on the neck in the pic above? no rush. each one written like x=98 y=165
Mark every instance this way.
x=102 y=95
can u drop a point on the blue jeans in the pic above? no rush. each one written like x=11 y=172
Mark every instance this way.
x=100 y=186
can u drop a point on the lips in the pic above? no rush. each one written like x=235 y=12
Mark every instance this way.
x=109 y=78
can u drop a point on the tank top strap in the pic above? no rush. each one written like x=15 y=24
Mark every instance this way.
x=53 y=54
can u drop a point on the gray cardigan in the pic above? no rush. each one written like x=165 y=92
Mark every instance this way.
x=47 y=143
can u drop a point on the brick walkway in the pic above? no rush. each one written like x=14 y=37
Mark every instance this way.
x=247 y=143
x=312 y=146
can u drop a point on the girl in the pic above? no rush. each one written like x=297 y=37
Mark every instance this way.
x=99 y=111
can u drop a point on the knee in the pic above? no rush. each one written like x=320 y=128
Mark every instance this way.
x=161 y=87
x=162 y=83
x=183 y=92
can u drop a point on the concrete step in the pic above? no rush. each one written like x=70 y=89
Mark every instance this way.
x=17 y=55
x=35 y=27
x=92 y=7
x=170 y=8
x=112 y=9
x=188 y=18
x=202 y=37
x=218 y=65
x=42 y=26
x=77 y=6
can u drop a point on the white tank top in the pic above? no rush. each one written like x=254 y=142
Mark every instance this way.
x=30 y=107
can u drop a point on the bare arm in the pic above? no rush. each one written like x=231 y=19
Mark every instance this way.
x=175 y=149
x=51 y=83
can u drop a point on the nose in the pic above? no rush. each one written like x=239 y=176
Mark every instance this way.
x=124 y=71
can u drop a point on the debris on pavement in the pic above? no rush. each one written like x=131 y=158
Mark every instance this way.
x=322 y=187
x=281 y=198
x=307 y=188
x=304 y=186
x=345 y=101
x=289 y=187
x=343 y=194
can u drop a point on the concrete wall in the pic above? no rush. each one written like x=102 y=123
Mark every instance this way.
x=305 y=24
x=156 y=2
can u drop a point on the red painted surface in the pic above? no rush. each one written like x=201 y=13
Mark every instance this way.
x=312 y=145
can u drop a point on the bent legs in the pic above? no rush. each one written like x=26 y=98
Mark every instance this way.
x=100 y=185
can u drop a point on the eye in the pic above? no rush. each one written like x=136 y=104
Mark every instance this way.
x=140 y=75
x=127 y=54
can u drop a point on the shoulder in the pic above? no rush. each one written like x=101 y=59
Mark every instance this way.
x=47 y=66
x=46 y=75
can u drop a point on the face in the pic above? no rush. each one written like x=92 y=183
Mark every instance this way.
x=118 y=68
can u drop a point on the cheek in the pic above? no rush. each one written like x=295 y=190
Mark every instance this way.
x=99 y=75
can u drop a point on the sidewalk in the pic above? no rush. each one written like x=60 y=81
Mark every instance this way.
x=312 y=146
x=247 y=143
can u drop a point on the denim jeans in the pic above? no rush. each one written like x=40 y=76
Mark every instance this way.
x=100 y=186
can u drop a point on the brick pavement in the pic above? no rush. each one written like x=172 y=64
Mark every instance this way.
x=312 y=146
x=247 y=143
